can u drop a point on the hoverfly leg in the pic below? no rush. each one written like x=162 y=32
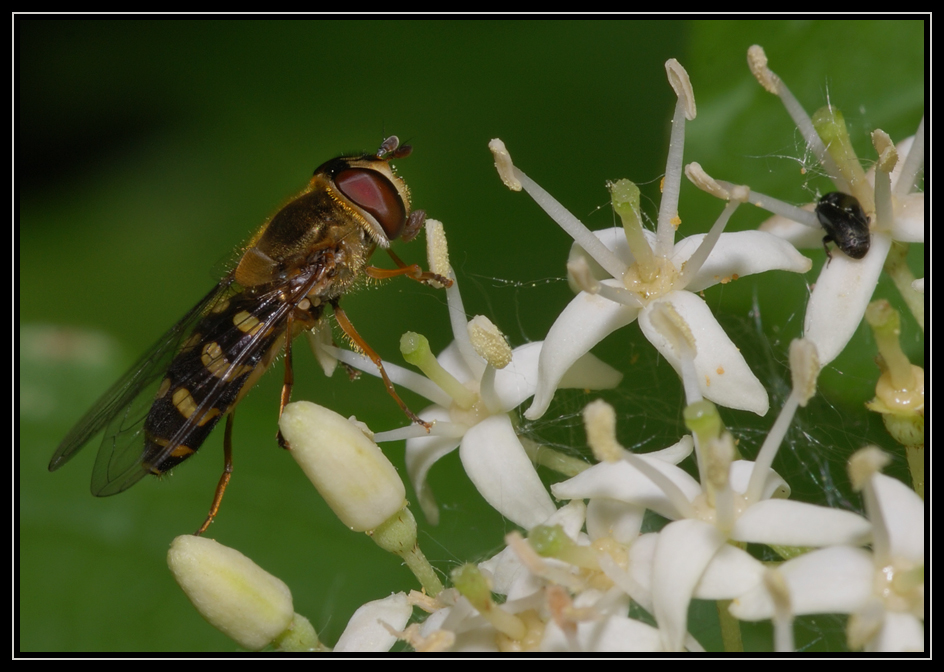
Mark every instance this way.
x=289 y=380
x=413 y=271
x=224 y=477
x=351 y=332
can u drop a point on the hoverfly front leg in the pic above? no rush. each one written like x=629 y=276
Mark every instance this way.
x=413 y=271
x=413 y=225
x=224 y=477
x=351 y=332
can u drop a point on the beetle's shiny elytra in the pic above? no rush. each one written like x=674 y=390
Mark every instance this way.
x=305 y=257
x=845 y=224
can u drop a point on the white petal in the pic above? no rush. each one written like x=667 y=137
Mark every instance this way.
x=901 y=519
x=675 y=453
x=586 y=321
x=571 y=518
x=901 y=632
x=792 y=523
x=509 y=577
x=740 y=475
x=830 y=580
x=738 y=254
x=843 y=290
x=683 y=551
x=451 y=359
x=517 y=381
x=731 y=573
x=608 y=634
x=641 y=558
x=622 y=481
x=613 y=518
x=365 y=630
x=421 y=454
x=909 y=219
x=497 y=464
x=723 y=375
x=590 y=373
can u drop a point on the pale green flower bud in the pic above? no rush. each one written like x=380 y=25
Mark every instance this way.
x=353 y=475
x=234 y=594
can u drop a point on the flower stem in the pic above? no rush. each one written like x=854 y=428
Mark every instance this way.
x=730 y=628
x=896 y=266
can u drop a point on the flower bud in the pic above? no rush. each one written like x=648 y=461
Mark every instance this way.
x=353 y=475
x=234 y=594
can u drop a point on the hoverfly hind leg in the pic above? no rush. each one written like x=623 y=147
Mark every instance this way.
x=224 y=477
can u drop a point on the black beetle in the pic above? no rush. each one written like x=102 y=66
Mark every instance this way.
x=845 y=223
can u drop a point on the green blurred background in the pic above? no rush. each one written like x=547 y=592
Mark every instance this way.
x=146 y=151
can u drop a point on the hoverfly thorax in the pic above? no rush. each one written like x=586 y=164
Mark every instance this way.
x=303 y=259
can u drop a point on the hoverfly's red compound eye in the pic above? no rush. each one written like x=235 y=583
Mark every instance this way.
x=375 y=194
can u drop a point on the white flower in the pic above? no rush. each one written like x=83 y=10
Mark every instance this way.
x=882 y=590
x=845 y=285
x=473 y=399
x=370 y=627
x=554 y=601
x=625 y=273
x=734 y=500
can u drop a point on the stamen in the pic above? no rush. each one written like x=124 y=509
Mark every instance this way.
x=864 y=464
x=668 y=208
x=697 y=176
x=887 y=154
x=413 y=431
x=697 y=260
x=573 y=227
x=400 y=376
x=599 y=418
x=437 y=250
x=489 y=342
x=884 y=211
x=914 y=164
x=779 y=592
x=757 y=61
x=458 y=321
x=776 y=206
x=805 y=368
x=514 y=179
x=504 y=165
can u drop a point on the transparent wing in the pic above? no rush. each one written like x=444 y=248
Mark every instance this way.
x=125 y=397
x=121 y=458
x=122 y=410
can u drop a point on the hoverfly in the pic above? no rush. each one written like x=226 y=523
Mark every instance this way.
x=303 y=259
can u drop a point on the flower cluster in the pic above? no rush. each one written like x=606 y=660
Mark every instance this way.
x=590 y=569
